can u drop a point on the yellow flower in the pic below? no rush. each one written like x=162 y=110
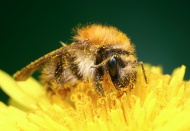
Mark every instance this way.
x=162 y=104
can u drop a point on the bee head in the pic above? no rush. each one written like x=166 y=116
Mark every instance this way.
x=122 y=72
x=120 y=65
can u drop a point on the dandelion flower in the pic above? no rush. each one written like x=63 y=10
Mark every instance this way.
x=162 y=104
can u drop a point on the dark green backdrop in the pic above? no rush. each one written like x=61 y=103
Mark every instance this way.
x=160 y=30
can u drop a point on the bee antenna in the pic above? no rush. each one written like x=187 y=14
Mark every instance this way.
x=102 y=63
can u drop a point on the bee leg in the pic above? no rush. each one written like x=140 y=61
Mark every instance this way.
x=50 y=92
x=98 y=85
x=144 y=73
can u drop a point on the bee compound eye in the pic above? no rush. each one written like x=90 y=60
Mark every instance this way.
x=112 y=65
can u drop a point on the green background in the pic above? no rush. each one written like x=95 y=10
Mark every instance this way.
x=159 y=29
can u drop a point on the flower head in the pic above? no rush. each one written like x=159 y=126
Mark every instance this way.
x=162 y=104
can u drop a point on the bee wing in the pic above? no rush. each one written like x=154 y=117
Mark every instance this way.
x=27 y=71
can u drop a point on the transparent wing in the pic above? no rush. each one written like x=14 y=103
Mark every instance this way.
x=27 y=71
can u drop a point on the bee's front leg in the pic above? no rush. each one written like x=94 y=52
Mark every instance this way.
x=98 y=83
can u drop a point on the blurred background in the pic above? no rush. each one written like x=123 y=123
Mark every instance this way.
x=29 y=29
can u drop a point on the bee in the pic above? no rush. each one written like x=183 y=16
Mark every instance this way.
x=97 y=50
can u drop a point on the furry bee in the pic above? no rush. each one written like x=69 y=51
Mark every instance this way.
x=97 y=50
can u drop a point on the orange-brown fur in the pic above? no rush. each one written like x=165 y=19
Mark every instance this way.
x=86 y=59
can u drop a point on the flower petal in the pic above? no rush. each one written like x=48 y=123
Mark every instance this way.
x=32 y=88
x=10 y=87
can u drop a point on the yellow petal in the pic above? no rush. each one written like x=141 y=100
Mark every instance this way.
x=32 y=88
x=10 y=87
x=162 y=104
